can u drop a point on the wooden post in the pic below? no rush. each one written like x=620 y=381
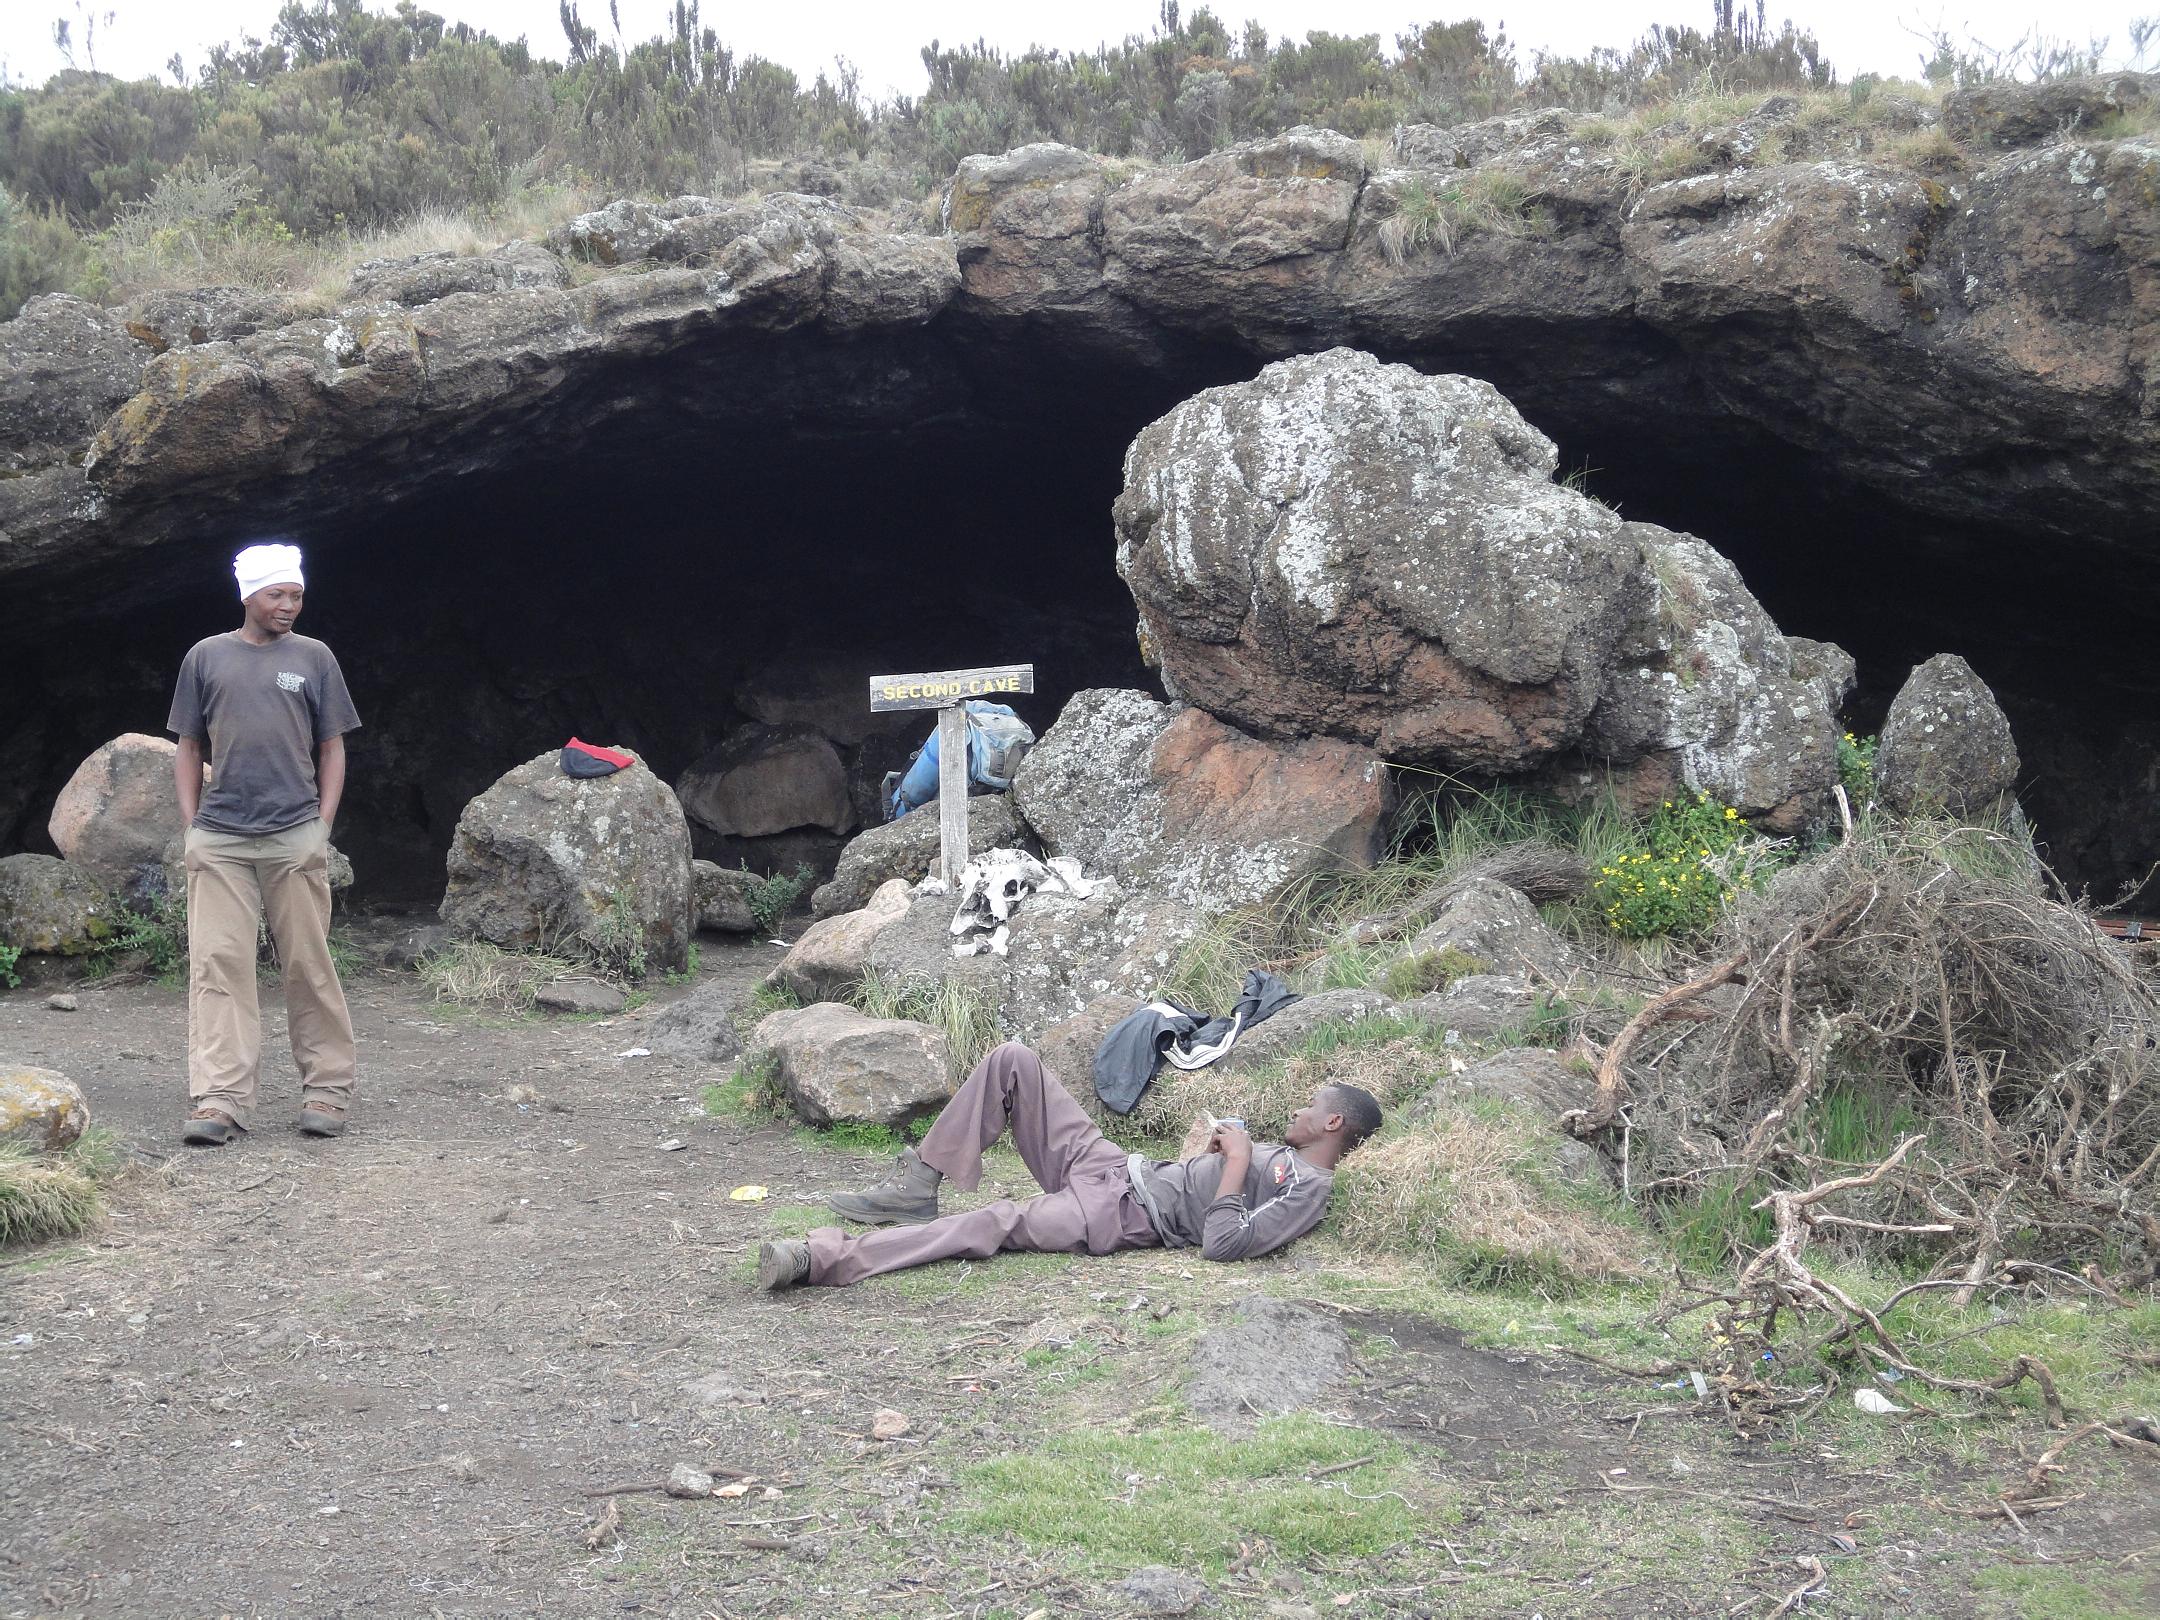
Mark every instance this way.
x=952 y=789
x=947 y=691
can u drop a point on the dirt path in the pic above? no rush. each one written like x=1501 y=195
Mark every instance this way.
x=385 y=1376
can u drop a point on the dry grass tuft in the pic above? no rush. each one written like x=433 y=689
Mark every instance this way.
x=1468 y=1192
x=473 y=973
x=45 y=1196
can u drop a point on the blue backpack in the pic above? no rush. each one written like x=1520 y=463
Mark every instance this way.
x=997 y=740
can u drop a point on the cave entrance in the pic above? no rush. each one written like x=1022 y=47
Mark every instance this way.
x=731 y=540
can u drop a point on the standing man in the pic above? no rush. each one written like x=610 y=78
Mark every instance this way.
x=1228 y=1196
x=270 y=710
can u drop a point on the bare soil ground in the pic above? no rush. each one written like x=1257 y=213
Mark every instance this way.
x=401 y=1374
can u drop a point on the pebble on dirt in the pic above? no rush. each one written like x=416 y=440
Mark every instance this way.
x=683 y=1480
x=60 y=1003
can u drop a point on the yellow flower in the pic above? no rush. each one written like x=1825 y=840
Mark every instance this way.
x=1731 y=814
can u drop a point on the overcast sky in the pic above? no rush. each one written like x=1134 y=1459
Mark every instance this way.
x=882 y=37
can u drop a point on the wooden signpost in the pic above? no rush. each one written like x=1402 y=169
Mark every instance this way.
x=946 y=690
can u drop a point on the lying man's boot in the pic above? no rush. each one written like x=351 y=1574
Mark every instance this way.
x=906 y=1199
x=782 y=1263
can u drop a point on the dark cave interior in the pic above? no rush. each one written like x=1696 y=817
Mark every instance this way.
x=634 y=586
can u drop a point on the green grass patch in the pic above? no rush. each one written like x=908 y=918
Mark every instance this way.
x=964 y=1015
x=2036 y=1592
x=1186 y=1497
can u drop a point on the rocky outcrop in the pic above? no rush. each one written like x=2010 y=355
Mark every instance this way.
x=1945 y=747
x=908 y=848
x=1356 y=549
x=1494 y=929
x=836 y=1066
x=40 y=1109
x=601 y=865
x=1176 y=803
x=119 y=810
x=1882 y=366
x=53 y=908
x=829 y=959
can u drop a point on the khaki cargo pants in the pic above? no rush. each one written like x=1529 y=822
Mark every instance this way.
x=232 y=883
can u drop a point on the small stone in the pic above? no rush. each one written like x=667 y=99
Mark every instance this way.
x=1156 y=1590
x=889 y=1425
x=60 y=1003
x=579 y=996
x=685 y=1481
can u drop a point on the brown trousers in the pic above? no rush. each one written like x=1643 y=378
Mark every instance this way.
x=1087 y=1204
x=233 y=883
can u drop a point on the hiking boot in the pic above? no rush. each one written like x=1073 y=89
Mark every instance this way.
x=782 y=1263
x=316 y=1120
x=208 y=1127
x=906 y=1198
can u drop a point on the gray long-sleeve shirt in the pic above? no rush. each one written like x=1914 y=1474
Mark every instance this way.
x=1284 y=1198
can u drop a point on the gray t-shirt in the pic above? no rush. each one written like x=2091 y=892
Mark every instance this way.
x=261 y=711
x=1284 y=1198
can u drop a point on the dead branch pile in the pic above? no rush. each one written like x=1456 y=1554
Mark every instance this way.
x=1928 y=959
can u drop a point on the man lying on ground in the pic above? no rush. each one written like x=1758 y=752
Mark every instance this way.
x=1228 y=1196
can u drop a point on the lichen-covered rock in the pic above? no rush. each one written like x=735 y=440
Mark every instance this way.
x=1499 y=928
x=54 y=908
x=721 y=898
x=425 y=277
x=1945 y=747
x=41 y=1109
x=1478 y=1006
x=1529 y=1077
x=65 y=364
x=908 y=848
x=544 y=861
x=119 y=810
x=830 y=957
x=2007 y=112
x=1352 y=548
x=1282 y=1034
x=1706 y=694
x=1358 y=550
x=1067 y=1048
x=836 y=1066
x=768 y=779
x=1178 y=804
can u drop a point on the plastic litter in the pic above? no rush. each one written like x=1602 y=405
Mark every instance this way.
x=1876 y=1404
x=748 y=1193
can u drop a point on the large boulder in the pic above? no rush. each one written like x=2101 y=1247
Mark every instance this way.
x=700 y=1027
x=1478 y=1006
x=119 y=810
x=1945 y=745
x=545 y=861
x=768 y=779
x=830 y=957
x=908 y=848
x=1062 y=953
x=1178 y=804
x=721 y=898
x=1359 y=550
x=1526 y=1077
x=41 y=1109
x=836 y=1066
x=54 y=908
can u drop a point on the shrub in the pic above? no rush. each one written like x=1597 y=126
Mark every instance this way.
x=474 y=973
x=773 y=896
x=959 y=1012
x=1856 y=768
x=615 y=940
x=1697 y=857
x=157 y=937
x=9 y=956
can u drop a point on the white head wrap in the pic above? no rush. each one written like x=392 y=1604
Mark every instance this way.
x=259 y=566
